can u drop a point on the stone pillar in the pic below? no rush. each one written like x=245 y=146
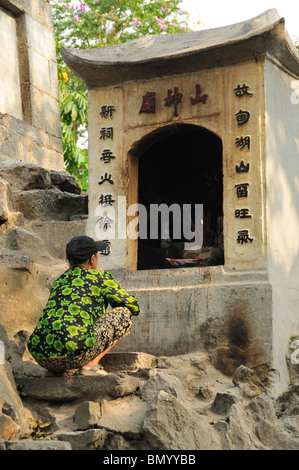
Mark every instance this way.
x=30 y=129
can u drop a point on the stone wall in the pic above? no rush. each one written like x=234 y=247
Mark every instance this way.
x=183 y=310
x=282 y=204
x=30 y=128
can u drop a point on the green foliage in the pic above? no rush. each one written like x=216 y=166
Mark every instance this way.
x=73 y=111
x=99 y=23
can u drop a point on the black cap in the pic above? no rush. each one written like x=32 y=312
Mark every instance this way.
x=81 y=248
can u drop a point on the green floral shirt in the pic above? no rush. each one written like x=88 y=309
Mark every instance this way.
x=77 y=299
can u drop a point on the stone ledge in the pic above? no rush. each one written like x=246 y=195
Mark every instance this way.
x=65 y=389
x=116 y=361
x=49 y=204
x=93 y=387
x=91 y=439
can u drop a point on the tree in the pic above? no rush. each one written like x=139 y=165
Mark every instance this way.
x=99 y=23
x=73 y=112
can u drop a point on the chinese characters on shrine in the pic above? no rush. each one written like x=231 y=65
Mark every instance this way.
x=172 y=100
x=106 y=177
x=242 y=144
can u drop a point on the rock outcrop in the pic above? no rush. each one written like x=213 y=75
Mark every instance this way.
x=145 y=403
x=40 y=210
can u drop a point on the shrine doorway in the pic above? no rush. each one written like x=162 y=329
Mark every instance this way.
x=181 y=164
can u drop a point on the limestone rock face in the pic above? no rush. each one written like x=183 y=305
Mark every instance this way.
x=169 y=425
x=25 y=176
x=40 y=211
x=87 y=415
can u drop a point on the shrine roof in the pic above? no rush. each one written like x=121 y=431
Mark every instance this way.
x=165 y=54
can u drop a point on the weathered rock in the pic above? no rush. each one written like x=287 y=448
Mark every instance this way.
x=56 y=234
x=18 y=344
x=15 y=261
x=24 y=293
x=87 y=415
x=119 y=361
x=160 y=379
x=222 y=429
x=91 y=439
x=239 y=430
x=4 y=212
x=27 y=242
x=288 y=402
x=37 y=445
x=88 y=387
x=9 y=398
x=273 y=438
x=149 y=408
x=15 y=219
x=64 y=181
x=8 y=428
x=287 y=410
x=123 y=415
x=292 y=359
x=169 y=425
x=204 y=392
x=49 y=204
x=261 y=408
x=255 y=426
x=181 y=365
x=25 y=176
x=224 y=400
x=248 y=382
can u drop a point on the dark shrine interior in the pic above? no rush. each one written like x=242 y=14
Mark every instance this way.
x=182 y=164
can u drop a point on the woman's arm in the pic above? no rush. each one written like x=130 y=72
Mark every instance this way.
x=116 y=296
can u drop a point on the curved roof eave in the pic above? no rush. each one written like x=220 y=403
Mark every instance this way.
x=158 y=55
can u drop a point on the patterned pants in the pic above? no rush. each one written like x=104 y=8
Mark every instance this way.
x=111 y=326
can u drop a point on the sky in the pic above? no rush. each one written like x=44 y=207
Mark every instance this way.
x=216 y=13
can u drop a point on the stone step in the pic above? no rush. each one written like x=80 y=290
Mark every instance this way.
x=91 y=439
x=27 y=176
x=130 y=361
x=89 y=387
x=77 y=387
x=49 y=204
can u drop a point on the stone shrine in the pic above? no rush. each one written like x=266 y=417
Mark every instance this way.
x=208 y=118
x=206 y=135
